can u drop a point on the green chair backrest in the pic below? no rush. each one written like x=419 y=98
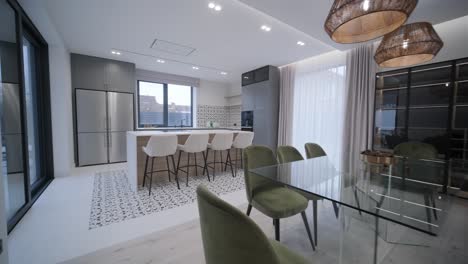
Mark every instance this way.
x=254 y=157
x=416 y=150
x=229 y=236
x=287 y=154
x=314 y=150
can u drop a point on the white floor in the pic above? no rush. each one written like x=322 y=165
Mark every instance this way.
x=56 y=228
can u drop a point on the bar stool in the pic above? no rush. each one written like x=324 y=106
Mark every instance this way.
x=221 y=142
x=195 y=143
x=160 y=146
x=242 y=140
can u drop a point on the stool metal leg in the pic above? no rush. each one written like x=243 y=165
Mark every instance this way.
x=151 y=177
x=221 y=161
x=205 y=158
x=176 y=172
x=178 y=162
x=188 y=166
x=168 y=169
x=214 y=164
x=230 y=162
x=196 y=164
x=146 y=170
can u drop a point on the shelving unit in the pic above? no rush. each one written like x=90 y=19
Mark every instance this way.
x=426 y=103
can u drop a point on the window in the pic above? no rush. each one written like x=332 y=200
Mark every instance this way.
x=164 y=105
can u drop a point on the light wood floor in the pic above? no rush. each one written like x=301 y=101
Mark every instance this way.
x=182 y=244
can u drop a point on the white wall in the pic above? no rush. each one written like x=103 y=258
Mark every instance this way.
x=60 y=87
x=454 y=34
x=212 y=93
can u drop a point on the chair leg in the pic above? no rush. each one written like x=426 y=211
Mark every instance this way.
x=214 y=164
x=306 y=223
x=188 y=167
x=176 y=172
x=146 y=170
x=226 y=163
x=242 y=158
x=168 y=169
x=221 y=161
x=196 y=167
x=249 y=209
x=336 y=209
x=277 y=229
x=230 y=162
x=178 y=162
x=237 y=159
x=205 y=157
x=151 y=177
x=315 y=204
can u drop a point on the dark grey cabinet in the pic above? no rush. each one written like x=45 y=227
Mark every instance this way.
x=9 y=56
x=262 y=97
x=102 y=74
x=88 y=72
x=120 y=76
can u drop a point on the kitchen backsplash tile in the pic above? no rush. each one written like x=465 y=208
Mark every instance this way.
x=225 y=116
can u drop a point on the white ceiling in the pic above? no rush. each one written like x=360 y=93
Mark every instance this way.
x=309 y=16
x=229 y=41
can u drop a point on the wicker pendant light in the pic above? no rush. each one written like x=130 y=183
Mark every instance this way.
x=411 y=44
x=351 y=21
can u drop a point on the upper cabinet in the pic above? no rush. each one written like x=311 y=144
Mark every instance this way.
x=102 y=74
x=120 y=76
x=256 y=76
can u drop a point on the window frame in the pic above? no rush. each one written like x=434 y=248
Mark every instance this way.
x=165 y=107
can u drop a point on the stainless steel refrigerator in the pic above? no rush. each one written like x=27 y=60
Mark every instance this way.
x=102 y=120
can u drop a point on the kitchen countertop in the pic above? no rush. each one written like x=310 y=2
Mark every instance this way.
x=178 y=131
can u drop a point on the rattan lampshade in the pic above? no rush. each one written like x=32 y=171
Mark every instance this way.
x=411 y=44
x=351 y=21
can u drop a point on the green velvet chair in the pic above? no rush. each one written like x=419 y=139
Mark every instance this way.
x=314 y=150
x=416 y=170
x=287 y=154
x=270 y=198
x=230 y=237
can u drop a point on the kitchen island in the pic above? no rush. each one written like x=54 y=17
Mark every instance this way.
x=136 y=157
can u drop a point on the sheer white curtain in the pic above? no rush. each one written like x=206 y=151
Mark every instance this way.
x=319 y=104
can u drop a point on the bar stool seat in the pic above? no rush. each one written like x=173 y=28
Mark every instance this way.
x=221 y=142
x=243 y=140
x=160 y=146
x=196 y=143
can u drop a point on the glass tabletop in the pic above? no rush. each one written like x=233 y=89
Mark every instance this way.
x=407 y=192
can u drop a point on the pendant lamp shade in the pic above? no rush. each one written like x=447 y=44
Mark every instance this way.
x=352 y=21
x=411 y=44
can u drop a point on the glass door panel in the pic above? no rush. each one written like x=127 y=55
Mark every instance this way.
x=12 y=165
x=32 y=119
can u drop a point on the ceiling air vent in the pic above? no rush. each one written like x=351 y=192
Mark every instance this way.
x=172 y=48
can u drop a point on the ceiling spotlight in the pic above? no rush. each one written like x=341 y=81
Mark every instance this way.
x=195 y=68
x=265 y=28
x=211 y=5
x=223 y=73
x=161 y=61
x=115 y=52
x=300 y=43
x=218 y=8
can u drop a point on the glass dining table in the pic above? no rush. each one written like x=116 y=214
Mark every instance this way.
x=403 y=194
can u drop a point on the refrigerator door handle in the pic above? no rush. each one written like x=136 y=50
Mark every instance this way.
x=110 y=140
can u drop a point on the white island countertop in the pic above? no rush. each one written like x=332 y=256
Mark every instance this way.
x=144 y=133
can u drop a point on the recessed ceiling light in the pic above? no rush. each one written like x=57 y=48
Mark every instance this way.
x=300 y=43
x=161 y=61
x=218 y=8
x=115 y=52
x=223 y=73
x=211 y=5
x=266 y=28
x=195 y=68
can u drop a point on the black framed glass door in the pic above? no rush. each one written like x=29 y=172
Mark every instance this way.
x=26 y=142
